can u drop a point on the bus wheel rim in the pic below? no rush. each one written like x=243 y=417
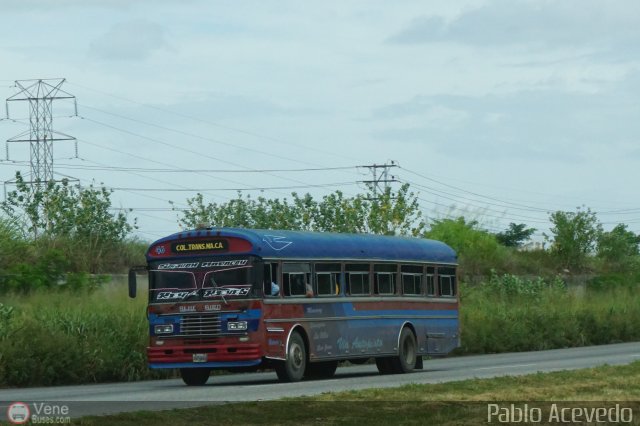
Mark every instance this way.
x=296 y=356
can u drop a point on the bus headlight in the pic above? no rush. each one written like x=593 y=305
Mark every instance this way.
x=237 y=325
x=163 y=329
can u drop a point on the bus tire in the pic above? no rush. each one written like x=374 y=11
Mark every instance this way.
x=195 y=376
x=292 y=369
x=321 y=370
x=405 y=362
x=384 y=365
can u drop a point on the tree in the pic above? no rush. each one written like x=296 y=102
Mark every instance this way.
x=388 y=214
x=478 y=250
x=395 y=213
x=515 y=235
x=618 y=245
x=62 y=210
x=574 y=236
x=75 y=221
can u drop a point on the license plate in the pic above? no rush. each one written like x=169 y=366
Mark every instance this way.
x=199 y=357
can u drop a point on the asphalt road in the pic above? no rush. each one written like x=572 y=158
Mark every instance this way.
x=163 y=394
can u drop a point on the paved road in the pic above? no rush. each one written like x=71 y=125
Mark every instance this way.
x=163 y=394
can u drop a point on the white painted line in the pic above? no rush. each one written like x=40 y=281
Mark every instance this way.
x=505 y=366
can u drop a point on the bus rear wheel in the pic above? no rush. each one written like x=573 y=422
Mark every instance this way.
x=195 y=376
x=292 y=369
x=407 y=353
x=321 y=370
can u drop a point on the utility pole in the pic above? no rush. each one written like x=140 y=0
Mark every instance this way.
x=40 y=94
x=379 y=178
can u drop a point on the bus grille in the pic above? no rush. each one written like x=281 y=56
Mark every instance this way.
x=200 y=325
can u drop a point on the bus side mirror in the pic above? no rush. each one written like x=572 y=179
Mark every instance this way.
x=132 y=283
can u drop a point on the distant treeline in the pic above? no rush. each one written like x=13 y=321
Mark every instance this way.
x=60 y=233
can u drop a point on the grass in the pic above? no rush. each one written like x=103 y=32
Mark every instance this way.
x=511 y=314
x=54 y=337
x=463 y=402
x=58 y=337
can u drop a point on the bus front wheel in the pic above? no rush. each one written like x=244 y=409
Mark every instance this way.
x=292 y=369
x=195 y=376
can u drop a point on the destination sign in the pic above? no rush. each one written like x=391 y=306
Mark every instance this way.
x=200 y=246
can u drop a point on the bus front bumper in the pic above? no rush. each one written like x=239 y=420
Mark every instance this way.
x=213 y=356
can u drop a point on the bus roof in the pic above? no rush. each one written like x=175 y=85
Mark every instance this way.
x=281 y=244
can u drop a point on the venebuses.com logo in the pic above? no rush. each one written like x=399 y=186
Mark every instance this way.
x=18 y=413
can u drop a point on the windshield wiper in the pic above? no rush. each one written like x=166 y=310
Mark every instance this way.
x=215 y=285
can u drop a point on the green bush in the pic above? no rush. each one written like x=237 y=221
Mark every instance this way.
x=478 y=250
x=65 y=338
x=508 y=313
x=52 y=337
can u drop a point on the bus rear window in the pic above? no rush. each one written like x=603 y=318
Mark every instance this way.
x=447 y=282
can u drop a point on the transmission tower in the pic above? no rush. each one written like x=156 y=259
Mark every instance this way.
x=381 y=177
x=40 y=94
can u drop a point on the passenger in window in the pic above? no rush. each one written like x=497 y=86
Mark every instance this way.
x=275 y=289
x=309 y=290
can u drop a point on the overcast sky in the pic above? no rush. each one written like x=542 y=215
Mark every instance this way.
x=520 y=107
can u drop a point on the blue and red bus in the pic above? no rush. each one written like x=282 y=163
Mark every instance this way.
x=297 y=302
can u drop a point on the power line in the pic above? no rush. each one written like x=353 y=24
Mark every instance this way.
x=450 y=196
x=196 y=136
x=530 y=208
x=257 y=188
x=200 y=154
x=179 y=170
x=211 y=123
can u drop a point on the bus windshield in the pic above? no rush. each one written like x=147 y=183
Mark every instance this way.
x=201 y=279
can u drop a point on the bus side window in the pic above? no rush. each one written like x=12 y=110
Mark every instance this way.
x=431 y=285
x=357 y=277
x=296 y=279
x=328 y=278
x=327 y=283
x=411 y=280
x=384 y=279
x=295 y=284
x=270 y=284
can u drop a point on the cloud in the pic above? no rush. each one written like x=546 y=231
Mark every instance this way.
x=132 y=40
x=542 y=23
x=227 y=106
x=543 y=124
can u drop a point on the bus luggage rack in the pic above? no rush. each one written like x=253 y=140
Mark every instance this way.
x=205 y=325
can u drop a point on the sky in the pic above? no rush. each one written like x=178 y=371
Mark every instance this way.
x=501 y=111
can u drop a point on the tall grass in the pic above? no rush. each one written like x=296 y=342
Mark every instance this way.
x=509 y=314
x=52 y=338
